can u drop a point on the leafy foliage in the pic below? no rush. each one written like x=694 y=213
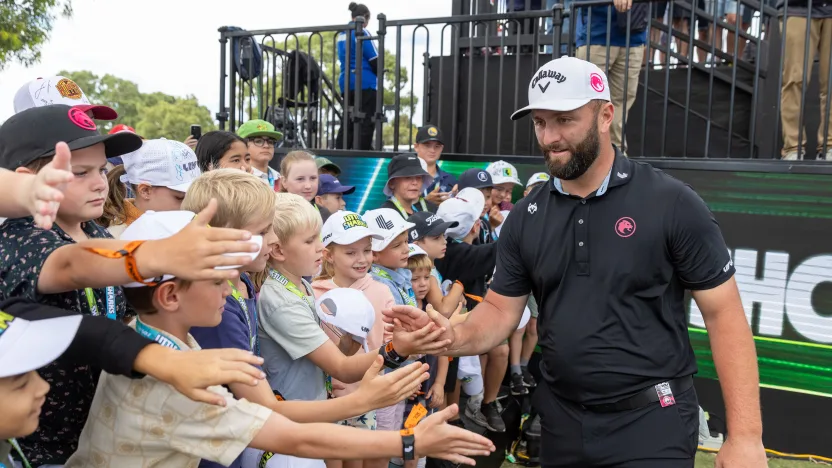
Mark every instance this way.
x=25 y=26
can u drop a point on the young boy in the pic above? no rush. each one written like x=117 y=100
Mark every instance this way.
x=143 y=422
x=428 y=233
x=331 y=193
x=491 y=216
x=505 y=178
x=470 y=264
x=298 y=353
x=261 y=138
x=406 y=179
x=428 y=146
x=49 y=266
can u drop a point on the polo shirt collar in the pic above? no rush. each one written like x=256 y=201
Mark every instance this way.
x=620 y=173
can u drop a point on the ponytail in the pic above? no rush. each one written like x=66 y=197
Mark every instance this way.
x=114 y=207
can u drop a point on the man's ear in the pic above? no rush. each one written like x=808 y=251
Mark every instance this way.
x=605 y=117
x=165 y=297
x=24 y=170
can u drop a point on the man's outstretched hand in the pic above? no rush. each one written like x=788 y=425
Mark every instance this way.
x=410 y=319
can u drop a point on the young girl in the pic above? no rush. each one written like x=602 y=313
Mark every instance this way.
x=299 y=173
x=159 y=173
x=347 y=258
x=222 y=150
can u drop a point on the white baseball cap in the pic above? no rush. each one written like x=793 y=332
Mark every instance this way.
x=156 y=225
x=27 y=345
x=388 y=224
x=415 y=250
x=465 y=208
x=537 y=178
x=58 y=90
x=565 y=84
x=344 y=228
x=502 y=172
x=161 y=163
x=349 y=310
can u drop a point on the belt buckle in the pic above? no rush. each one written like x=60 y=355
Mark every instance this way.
x=665 y=394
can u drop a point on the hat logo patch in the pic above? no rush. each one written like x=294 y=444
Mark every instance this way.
x=81 y=119
x=557 y=76
x=414 y=234
x=596 y=82
x=261 y=127
x=68 y=89
x=5 y=321
x=432 y=131
x=383 y=223
x=432 y=219
x=326 y=238
x=353 y=220
x=507 y=172
x=482 y=176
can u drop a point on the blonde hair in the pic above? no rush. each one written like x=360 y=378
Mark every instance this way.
x=291 y=158
x=293 y=213
x=242 y=198
x=419 y=261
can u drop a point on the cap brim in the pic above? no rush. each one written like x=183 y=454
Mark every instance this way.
x=344 y=190
x=117 y=144
x=503 y=180
x=557 y=105
x=99 y=112
x=440 y=228
x=382 y=243
x=275 y=135
x=41 y=343
x=430 y=139
x=407 y=172
x=181 y=187
x=478 y=185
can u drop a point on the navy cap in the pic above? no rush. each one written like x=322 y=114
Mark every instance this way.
x=329 y=184
x=427 y=224
x=475 y=178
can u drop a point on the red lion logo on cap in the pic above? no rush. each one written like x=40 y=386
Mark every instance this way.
x=596 y=82
x=81 y=119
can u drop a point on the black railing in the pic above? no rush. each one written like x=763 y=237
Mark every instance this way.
x=689 y=97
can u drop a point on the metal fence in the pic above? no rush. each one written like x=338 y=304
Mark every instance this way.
x=704 y=79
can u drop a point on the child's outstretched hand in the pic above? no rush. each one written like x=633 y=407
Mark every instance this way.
x=46 y=189
x=436 y=395
x=425 y=340
x=434 y=438
x=381 y=391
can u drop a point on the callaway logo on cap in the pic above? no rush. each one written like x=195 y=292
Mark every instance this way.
x=386 y=223
x=565 y=84
x=345 y=228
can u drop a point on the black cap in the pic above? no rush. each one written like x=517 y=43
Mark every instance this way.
x=405 y=165
x=475 y=178
x=427 y=224
x=32 y=134
x=429 y=132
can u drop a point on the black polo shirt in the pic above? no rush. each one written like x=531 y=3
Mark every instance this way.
x=609 y=273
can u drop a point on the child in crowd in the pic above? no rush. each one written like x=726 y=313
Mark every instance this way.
x=136 y=422
x=300 y=176
x=159 y=174
x=297 y=352
x=428 y=233
x=222 y=150
x=261 y=138
x=406 y=179
x=347 y=258
x=248 y=204
x=470 y=264
x=331 y=193
x=491 y=216
x=504 y=176
x=428 y=146
x=325 y=166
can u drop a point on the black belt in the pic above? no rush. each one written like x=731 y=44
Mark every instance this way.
x=646 y=397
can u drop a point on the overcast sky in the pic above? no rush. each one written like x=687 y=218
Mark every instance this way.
x=171 y=45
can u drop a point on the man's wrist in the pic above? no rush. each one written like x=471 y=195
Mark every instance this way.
x=149 y=258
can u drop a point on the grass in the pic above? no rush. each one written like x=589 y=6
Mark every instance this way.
x=707 y=460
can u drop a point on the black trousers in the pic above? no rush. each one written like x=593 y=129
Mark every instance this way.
x=648 y=437
x=368 y=107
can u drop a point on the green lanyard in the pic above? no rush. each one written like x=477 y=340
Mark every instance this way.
x=252 y=331
x=110 y=301
x=290 y=286
x=154 y=335
x=19 y=451
x=401 y=209
x=407 y=296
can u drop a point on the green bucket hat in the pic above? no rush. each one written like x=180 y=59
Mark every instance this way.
x=258 y=128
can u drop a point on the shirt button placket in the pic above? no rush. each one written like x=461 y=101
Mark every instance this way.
x=582 y=239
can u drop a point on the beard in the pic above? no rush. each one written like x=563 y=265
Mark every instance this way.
x=582 y=155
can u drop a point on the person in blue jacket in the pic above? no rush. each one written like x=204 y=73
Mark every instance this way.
x=369 y=80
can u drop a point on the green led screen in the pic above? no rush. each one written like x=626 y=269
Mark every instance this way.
x=779 y=230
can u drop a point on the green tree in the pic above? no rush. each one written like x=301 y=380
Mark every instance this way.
x=153 y=115
x=25 y=26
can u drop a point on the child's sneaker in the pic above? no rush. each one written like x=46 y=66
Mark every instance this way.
x=528 y=380
x=518 y=387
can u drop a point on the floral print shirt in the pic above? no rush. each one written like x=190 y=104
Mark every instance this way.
x=24 y=249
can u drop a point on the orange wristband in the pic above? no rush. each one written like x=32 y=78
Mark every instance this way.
x=129 y=260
